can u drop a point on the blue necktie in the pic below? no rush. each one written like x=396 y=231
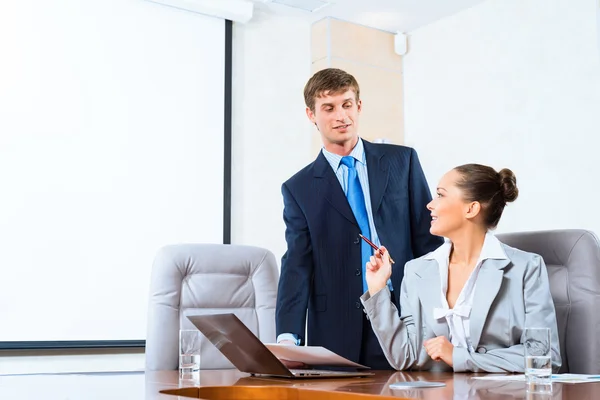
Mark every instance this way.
x=356 y=199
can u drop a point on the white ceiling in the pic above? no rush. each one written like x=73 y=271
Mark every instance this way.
x=388 y=15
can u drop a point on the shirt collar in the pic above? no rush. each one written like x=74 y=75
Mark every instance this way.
x=492 y=249
x=358 y=152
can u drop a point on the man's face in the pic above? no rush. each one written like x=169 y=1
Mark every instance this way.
x=336 y=117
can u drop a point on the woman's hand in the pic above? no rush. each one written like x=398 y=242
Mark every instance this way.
x=439 y=348
x=379 y=270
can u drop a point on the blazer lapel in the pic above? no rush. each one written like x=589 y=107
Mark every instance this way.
x=430 y=292
x=488 y=284
x=329 y=186
x=378 y=172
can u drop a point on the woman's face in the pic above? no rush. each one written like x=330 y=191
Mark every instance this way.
x=449 y=211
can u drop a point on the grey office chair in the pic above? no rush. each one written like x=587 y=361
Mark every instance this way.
x=573 y=261
x=196 y=279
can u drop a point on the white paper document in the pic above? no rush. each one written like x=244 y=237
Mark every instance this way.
x=311 y=355
x=558 y=378
x=575 y=378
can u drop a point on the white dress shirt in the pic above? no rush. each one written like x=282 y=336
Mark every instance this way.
x=458 y=316
x=341 y=173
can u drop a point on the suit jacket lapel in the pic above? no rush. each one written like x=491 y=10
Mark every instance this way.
x=378 y=172
x=488 y=284
x=329 y=186
x=430 y=292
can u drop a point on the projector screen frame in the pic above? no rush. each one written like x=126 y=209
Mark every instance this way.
x=227 y=128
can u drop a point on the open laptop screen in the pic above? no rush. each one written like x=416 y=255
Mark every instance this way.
x=238 y=344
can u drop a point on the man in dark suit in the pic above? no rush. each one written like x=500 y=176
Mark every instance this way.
x=353 y=187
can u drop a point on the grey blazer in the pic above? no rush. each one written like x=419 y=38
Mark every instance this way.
x=510 y=295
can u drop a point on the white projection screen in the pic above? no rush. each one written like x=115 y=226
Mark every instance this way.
x=111 y=146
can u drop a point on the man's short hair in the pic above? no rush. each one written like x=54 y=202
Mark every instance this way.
x=329 y=81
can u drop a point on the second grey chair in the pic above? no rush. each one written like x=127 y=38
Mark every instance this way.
x=572 y=257
x=196 y=279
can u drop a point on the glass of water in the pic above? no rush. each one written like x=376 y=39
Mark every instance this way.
x=538 y=360
x=189 y=354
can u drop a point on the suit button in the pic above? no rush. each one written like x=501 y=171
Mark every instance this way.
x=358 y=272
x=358 y=304
x=357 y=240
x=481 y=350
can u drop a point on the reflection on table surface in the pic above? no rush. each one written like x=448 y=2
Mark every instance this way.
x=139 y=385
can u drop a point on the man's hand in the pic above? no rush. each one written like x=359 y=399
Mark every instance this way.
x=288 y=363
x=439 y=348
x=287 y=342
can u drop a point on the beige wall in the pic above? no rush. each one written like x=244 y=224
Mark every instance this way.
x=369 y=55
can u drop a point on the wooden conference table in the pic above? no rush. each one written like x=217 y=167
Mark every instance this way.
x=231 y=384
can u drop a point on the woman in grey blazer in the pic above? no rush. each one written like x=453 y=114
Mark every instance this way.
x=465 y=305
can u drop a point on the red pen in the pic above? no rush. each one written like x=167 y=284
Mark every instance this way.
x=375 y=247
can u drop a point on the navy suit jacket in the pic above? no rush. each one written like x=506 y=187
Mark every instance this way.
x=321 y=269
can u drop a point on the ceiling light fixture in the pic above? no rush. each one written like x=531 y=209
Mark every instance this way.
x=233 y=10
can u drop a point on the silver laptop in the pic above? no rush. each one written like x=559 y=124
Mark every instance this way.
x=248 y=354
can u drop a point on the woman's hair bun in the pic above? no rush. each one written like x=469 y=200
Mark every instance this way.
x=508 y=184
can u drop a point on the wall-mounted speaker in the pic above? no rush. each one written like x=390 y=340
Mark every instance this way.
x=400 y=43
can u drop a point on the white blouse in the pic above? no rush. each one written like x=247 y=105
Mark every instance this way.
x=457 y=317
